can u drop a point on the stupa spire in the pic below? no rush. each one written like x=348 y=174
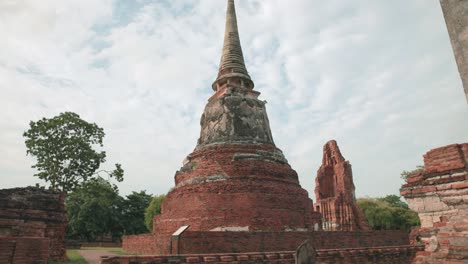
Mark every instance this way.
x=232 y=68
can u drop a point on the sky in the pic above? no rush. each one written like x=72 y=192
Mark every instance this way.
x=378 y=76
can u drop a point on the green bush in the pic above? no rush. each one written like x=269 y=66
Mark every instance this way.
x=153 y=209
x=388 y=213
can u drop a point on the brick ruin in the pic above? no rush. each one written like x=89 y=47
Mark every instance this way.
x=256 y=247
x=380 y=255
x=32 y=225
x=237 y=193
x=439 y=194
x=212 y=242
x=236 y=179
x=334 y=192
x=239 y=201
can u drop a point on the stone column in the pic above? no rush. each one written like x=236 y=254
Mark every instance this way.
x=456 y=18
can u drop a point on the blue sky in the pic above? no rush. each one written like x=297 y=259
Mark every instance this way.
x=377 y=76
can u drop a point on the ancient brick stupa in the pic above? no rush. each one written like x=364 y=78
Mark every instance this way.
x=236 y=179
x=334 y=191
x=237 y=200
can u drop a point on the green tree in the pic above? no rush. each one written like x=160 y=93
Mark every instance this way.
x=133 y=212
x=94 y=210
x=388 y=213
x=394 y=201
x=153 y=209
x=65 y=149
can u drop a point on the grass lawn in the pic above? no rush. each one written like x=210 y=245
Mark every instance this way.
x=117 y=251
x=73 y=258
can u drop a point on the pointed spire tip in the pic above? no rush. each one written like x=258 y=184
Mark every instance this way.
x=232 y=67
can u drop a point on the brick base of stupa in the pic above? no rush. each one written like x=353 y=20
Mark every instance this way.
x=237 y=188
x=234 y=189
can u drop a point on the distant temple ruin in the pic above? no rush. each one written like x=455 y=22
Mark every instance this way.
x=334 y=192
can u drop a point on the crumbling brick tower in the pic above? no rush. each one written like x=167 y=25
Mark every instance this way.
x=236 y=179
x=334 y=193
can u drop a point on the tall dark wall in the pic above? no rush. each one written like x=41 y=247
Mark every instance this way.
x=34 y=213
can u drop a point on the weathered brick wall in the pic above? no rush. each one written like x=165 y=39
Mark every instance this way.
x=255 y=257
x=336 y=240
x=34 y=212
x=236 y=242
x=379 y=255
x=217 y=242
x=439 y=194
x=147 y=244
x=24 y=250
x=242 y=186
x=195 y=242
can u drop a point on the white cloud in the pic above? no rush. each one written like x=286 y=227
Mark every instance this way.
x=377 y=76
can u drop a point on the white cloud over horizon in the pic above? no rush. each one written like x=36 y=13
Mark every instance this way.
x=377 y=76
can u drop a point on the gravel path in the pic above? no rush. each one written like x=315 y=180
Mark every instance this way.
x=94 y=256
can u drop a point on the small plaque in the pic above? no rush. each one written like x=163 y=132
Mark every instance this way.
x=180 y=230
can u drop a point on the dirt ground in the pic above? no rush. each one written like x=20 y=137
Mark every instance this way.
x=94 y=256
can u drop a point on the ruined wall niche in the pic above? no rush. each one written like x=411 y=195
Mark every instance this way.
x=29 y=215
x=439 y=195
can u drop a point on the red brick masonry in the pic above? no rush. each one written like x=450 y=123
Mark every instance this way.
x=193 y=242
x=376 y=255
x=33 y=212
x=237 y=186
x=24 y=250
x=334 y=193
x=147 y=244
x=439 y=194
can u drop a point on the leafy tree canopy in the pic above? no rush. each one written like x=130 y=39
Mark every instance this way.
x=153 y=209
x=133 y=212
x=94 y=210
x=394 y=201
x=65 y=149
x=388 y=213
